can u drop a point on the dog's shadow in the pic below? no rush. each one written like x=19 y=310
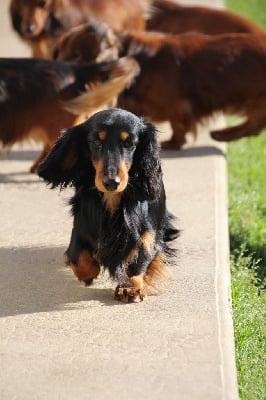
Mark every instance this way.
x=15 y=167
x=190 y=152
x=19 y=154
x=34 y=280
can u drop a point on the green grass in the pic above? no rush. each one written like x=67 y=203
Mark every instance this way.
x=247 y=197
x=247 y=223
x=251 y=9
x=250 y=330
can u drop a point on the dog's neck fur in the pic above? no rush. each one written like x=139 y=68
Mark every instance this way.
x=112 y=201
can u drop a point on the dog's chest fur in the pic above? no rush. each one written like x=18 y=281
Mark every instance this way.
x=110 y=235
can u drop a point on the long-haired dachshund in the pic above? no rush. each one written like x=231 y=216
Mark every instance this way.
x=97 y=41
x=38 y=22
x=120 y=217
x=172 y=17
x=40 y=97
x=187 y=78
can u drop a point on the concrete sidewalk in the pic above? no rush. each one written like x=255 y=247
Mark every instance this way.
x=60 y=340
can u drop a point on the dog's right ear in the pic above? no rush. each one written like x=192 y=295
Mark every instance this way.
x=68 y=161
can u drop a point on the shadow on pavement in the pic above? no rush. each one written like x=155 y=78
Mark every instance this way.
x=34 y=280
x=19 y=155
x=193 y=151
x=197 y=151
x=20 y=177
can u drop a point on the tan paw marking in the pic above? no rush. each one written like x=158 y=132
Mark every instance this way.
x=128 y=295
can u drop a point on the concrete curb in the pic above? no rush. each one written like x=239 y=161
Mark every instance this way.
x=223 y=285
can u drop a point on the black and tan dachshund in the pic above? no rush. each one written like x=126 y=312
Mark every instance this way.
x=120 y=216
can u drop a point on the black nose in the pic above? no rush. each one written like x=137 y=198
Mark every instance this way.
x=31 y=28
x=111 y=184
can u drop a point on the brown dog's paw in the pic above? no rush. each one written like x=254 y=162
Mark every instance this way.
x=128 y=295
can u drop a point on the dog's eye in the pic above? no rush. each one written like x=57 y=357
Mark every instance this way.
x=128 y=144
x=97 y=144
x=41 y=4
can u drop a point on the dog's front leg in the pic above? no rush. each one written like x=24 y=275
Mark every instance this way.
x=141 y=284
x=80 y=260
x=86 y=269
x=134 y=293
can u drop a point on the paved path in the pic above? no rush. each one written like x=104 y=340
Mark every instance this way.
x=60 y=340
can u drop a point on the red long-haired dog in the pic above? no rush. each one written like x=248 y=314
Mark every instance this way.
x=119 y=207
x=187 y=78
x=40 y=97
x=38 y=22
x=96 y=41
x=172 y=17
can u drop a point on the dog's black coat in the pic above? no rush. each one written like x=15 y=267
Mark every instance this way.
x=111 y=236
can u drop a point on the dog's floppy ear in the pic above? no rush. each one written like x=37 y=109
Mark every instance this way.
x=146 y=171
x=68 y=161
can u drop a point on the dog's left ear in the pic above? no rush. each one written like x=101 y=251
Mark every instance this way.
x=68 y=162
x=146 y=171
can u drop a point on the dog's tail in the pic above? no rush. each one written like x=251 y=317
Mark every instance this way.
x=119 y=76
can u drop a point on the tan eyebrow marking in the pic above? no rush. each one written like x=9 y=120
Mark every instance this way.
x=102 y=135
x=124 y=135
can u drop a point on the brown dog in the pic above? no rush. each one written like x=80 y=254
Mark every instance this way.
x=171 y=17
x=97 y=41
x=187 y=78
x=41 y=97
x=38 y=22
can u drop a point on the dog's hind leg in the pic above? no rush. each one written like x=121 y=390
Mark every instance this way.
x=178 y=138
x=247 y=128
x=157 y=275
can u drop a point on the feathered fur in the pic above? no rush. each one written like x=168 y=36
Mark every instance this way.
x=39 y=97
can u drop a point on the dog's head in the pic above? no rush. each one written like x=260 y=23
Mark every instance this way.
x=113 y=151
x=29 y=17
x=93 y=41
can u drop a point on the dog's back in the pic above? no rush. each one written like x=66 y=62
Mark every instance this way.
x=31 y=88
x=224 y=72
x=169 y=16
x=185 y=78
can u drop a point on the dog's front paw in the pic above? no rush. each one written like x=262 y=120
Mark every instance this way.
x=128 y=295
